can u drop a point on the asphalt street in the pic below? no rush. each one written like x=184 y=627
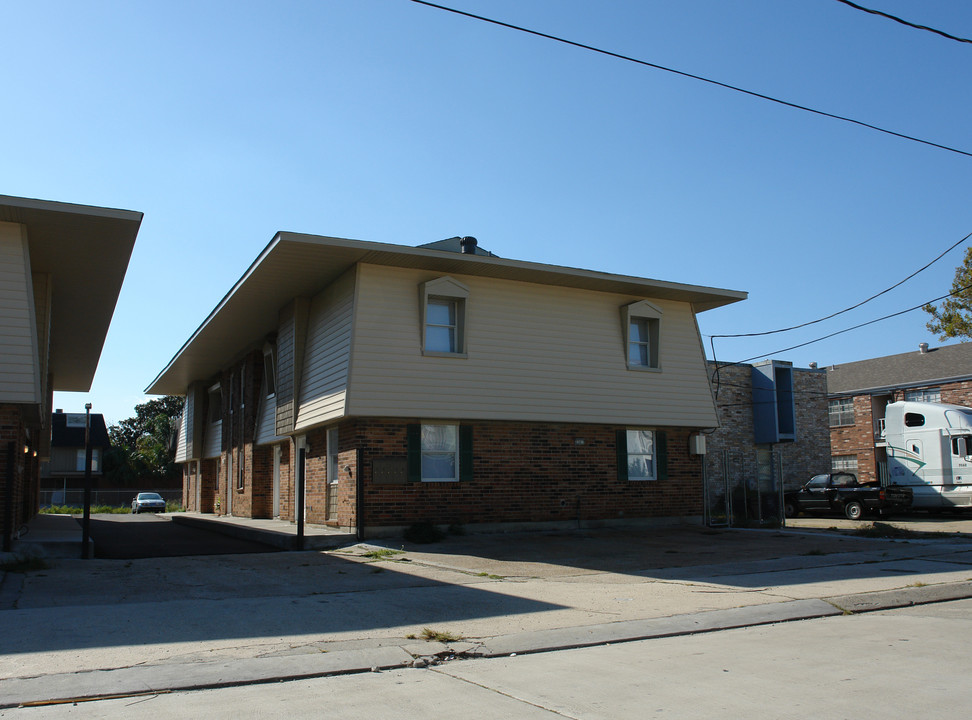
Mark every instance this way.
x=902 y=663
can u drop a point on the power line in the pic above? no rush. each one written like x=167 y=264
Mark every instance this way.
x=852 y=307
x=904 y=22
x=691 y=76
x=856 y=327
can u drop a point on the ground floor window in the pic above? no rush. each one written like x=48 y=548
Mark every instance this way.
x=641 y=455
x=439 y=452
x=844 y=463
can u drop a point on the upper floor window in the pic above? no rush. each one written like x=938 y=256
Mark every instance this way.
x=641 y=322
x=441 y=330
x=932 y=395
x=443 y=320
x=841 y=412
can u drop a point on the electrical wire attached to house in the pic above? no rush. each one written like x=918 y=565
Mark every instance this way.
x=904 y=22
x=852 y=307
x=691 y=76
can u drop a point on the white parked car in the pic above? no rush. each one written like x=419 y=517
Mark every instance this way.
x=147 y=501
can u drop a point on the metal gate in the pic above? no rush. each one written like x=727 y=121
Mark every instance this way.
x=744 y=489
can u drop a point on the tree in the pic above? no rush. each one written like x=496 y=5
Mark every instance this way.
x=143 y=447
x=953 y=318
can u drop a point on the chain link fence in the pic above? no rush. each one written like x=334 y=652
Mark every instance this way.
x=116 y=498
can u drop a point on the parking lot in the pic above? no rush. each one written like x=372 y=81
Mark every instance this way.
x=127 y=537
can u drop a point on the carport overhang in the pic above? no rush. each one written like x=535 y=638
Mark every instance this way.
x=297 y=265
x=85 y=250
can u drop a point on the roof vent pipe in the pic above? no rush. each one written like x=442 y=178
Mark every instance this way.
x=813 y=366
x=467 y=245
x=923 y=348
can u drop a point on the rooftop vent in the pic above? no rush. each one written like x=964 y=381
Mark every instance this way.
x=467 y=245
x=923 y=348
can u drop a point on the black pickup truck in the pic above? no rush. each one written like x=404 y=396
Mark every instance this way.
x=841 y=493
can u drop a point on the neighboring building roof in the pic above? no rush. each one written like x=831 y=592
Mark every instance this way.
x=67 y=430
x=950 y=363
x=296 y=265
x=86 y=251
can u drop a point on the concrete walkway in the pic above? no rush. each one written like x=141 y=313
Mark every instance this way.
x=96 y=628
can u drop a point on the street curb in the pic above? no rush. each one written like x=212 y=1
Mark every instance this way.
x=176 y=677
x=155 y=679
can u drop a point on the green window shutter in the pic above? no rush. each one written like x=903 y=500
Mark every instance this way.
x=622 y=448
x=661 y=455
x=413 y=442
x=465 y=453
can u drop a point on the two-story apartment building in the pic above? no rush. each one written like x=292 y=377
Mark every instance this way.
x=442 y=384
x=61 y=269
x=65 y=470
x=860 y=391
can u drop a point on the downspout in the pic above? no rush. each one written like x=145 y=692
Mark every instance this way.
x=359 y=496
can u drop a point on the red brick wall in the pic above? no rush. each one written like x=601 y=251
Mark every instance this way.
x=522 y=472
x=23 y=492
x=857 y=439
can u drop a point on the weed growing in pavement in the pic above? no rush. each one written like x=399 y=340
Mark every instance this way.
x=382 y=554
x=442 y=636
x=884 y=530
x=491 y=577
x=918 y=584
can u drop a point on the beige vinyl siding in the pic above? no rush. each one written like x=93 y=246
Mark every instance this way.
x=183 y=440
x=324 y=381
x=535 y=352
x=20 y=378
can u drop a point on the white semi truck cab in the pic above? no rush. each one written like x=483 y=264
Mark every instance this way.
x=929 y=448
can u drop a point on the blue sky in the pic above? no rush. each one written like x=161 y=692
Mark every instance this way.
x=384 y=120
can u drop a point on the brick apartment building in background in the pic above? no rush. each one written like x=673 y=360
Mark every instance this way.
x=772 y=434
x=859 y=392
x=443 y=384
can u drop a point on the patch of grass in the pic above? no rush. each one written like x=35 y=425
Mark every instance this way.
x=491 y=577
x=443 y=636
x=25 y=564
x=72 y=510
x=883 y=530
x=382 y=554
x=173 y=506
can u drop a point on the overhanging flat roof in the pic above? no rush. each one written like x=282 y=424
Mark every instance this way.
x=85 y=250
x=295 y=265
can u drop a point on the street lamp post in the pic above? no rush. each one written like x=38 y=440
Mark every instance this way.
x=86 y=523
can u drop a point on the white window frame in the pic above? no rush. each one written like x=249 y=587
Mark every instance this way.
x=844 y=463
x=449 y=290
x=649 y=316
x=81 y=458
x=438 y=453
x=653 y=455
x=837 y=410
x=931 y=395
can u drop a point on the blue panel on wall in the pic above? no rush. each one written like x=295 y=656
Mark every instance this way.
x=774 y=413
